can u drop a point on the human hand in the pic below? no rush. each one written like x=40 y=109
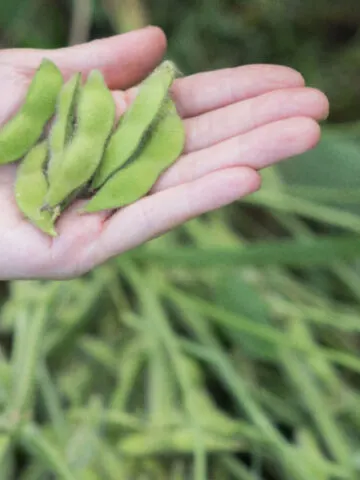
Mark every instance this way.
x=237 y=121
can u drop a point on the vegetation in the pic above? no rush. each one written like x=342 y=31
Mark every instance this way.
x=237 y=355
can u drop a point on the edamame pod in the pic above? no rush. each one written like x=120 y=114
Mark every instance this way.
x=31 y=188
x=136 y=121
x=22 y=132
x=63 y=127
x=95 y=119
x=134 y=181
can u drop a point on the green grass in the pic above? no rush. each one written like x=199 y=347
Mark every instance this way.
x=228 y=348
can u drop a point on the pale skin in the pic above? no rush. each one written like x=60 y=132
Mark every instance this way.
x=237 y=122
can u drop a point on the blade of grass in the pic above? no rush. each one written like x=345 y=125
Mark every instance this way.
x=219 y=361
x=237 y=323
x=6 y=458
x=34 y=441
x=154 y=310
x=81 y=19
x=333 y=469
x=331 y=195
x=306 y=208
x=297 y=253
x=83 y=445
x=303 y=380
x=28 y=352
x=160 y=388
x=126 y=15
x=130 y=364
x=52 y=403
x=90 y=304
x=237 y=468
x=113 y=466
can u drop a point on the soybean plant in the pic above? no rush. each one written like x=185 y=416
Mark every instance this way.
x=85 y=152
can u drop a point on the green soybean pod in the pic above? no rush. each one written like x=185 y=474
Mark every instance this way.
x=95 y=119
x=63 y=127
x=134 y=181
x=22 y=132
x=31 y=188
x=136 y=121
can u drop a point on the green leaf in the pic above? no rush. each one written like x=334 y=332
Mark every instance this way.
x=334 y=163
x=238 y=296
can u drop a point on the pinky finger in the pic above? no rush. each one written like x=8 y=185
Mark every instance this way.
x=160 y=212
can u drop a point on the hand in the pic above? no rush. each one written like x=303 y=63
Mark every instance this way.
x=237 y=121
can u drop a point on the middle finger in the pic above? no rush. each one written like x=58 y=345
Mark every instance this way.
x=241 y=117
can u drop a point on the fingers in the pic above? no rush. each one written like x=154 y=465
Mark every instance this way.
x=156 y=214
x=259 y=148
x=123 y=59
x=216 y=126
x=69 y=251
x=207 y=91
x=123 y=100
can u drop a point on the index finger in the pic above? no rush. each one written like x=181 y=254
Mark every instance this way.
x=123 y=59
x=203 y=92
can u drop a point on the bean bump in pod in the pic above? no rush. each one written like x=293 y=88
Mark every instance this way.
x=62 y=129
x=31 y=188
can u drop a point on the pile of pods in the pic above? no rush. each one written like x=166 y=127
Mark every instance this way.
x=84 y=154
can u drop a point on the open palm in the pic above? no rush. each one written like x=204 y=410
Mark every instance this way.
x=237 y=121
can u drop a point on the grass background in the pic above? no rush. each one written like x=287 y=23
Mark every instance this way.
x=228 y=348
